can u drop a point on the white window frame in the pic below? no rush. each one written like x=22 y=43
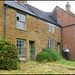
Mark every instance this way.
x=51 y=43
x=20 y=44
x=51 y=28
x=21 y=21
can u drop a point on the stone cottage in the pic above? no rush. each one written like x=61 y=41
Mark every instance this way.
x=31 y=29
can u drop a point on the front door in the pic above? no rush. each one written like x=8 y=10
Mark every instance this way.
x=32 y=50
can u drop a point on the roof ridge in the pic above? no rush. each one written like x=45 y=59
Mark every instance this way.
x=34 y=7
x=30 y=9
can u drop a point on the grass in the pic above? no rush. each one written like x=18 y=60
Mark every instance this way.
x=65 y=62
x=32 y=67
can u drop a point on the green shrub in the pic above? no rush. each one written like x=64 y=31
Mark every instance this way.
x=49 y=55
x=8 y=55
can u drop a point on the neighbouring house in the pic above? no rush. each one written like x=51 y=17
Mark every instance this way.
x=31 y=29
x=67 y=20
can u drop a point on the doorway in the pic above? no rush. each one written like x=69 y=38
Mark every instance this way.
x=32 y=50
x=59 y=47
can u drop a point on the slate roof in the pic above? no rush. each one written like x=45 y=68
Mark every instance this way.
x=69 y=12
x=30 y=10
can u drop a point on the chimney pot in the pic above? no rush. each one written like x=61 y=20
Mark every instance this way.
x=68 y=7
x=22 y=1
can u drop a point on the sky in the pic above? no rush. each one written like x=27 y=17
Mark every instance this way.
x=48 y=6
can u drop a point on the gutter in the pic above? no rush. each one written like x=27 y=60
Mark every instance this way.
x=5 y=23
x=68 y=25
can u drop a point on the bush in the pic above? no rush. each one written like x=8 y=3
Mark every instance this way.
x=49 y=55
x=8 y=55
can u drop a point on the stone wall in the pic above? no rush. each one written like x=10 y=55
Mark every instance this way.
x=2 y=17
x=37 y=30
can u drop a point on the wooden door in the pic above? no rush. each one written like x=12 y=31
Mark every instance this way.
x=32 y=50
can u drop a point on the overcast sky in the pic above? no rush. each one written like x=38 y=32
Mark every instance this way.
x=48 y=6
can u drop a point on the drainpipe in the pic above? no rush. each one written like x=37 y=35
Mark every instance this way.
x=5 y=23
x=61 y=42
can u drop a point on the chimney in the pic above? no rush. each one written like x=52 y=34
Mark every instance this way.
x=68 y=7
x=21 y=1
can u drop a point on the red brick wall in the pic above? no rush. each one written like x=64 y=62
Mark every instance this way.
x=64 y=18
x=68 y=33
x=68 y=37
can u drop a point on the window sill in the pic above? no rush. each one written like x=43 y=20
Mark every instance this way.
x=51 y=32
x=21 y=29
x=22 y=55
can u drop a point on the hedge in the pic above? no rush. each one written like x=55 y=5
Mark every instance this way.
x=8 y=55
x=48 y=55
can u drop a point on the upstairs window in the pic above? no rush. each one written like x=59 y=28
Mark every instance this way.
x=51 y=28
x=21 y=21
x=51 y=43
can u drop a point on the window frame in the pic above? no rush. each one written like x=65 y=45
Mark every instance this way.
x=51 y=28
x=52 y=43
x=22 y=47
x=21 y=21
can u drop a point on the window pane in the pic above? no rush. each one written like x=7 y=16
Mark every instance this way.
x=18 y=15
x=51 y=44
x=23 y=51
x=22 y=25
x=51 y=28
x=22 y=18
x=18 y=41
x=20 y=21
x=21 y=46
x=19 y=49
x=18 y=24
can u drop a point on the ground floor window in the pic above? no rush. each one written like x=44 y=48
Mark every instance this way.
x=51 y=43
x=20 y=44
